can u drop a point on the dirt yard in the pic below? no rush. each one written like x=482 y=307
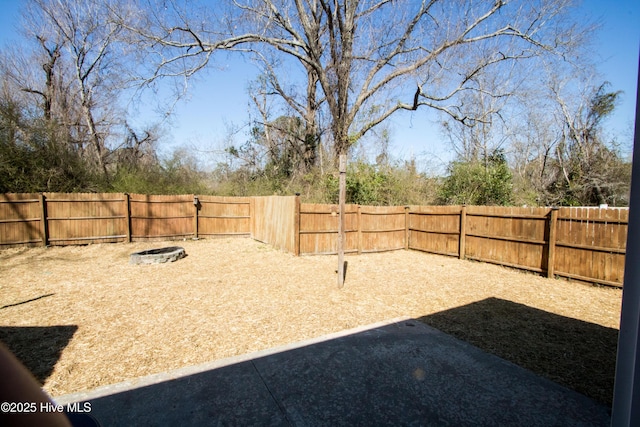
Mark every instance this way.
x=83 y=317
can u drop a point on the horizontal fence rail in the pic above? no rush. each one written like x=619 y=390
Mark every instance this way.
x=586 y=244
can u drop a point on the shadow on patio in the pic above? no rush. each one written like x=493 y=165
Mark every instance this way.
x=398 y=373
x=571 y=352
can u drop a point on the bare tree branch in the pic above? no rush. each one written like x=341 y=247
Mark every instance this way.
x=361 y=51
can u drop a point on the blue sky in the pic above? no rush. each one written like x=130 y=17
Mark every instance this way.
x=219 y=99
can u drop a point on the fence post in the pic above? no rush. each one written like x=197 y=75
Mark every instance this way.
x=463 y=232
x=44 y=226
x=406 y=227
x=359 y=229
x=551 y=253
x=196 y=204
x=296 y=226
x=127 y=210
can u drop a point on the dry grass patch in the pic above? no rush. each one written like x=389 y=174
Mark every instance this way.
x=82 y=317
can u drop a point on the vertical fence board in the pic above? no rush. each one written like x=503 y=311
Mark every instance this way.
x=359 y=229
x=462 y=246
x=319 y=229
x=296 y=226
x=551 y=249
x=592 y=242
x=127 y=209
x=316 y=232
x=508 y=236
x=406 y=227
x=382 y=228
x=44 y=225
x=196 y=210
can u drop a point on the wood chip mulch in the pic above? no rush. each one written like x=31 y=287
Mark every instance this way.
x=81 y=316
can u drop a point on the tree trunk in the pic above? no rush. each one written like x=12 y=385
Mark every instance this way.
x=95 y=138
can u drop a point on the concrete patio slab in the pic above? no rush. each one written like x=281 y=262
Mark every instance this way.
x=398 y=373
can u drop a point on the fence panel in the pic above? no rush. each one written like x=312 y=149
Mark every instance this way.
x=381 y=228
x=274 y=221
x=224 y=216
x=20 y=219
x=591 y=244
x=83 y=218
x=162 y=217
x=319 y=229
x=515 y=237
x=435 y=229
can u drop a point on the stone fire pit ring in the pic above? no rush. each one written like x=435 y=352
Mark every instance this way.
x=158 y=255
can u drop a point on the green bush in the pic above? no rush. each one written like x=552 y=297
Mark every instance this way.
x=478 y=183
x=34 y=159
x=368 y=184
x=177 y=174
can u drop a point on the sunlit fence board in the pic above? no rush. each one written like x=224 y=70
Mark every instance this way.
x=274 y=221
x=381 y=228
x=435 y=229
x=319 y=229
x=508 y=236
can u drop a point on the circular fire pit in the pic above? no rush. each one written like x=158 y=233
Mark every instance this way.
x=157 y=256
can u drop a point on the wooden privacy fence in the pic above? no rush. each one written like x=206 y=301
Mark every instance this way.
x=188 y=216
x=367 y=228
x=81 y=218
x=580 y=243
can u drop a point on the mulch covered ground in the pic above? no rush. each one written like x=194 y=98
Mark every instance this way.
x=81 y=317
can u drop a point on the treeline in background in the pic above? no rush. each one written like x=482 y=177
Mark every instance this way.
x=71 y=89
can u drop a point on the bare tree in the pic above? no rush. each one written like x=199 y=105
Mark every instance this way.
x=590 y=171
x=37 y=74
x=292 y=128
x=474 y=140
x=304 y=102
x=93 y=54
x=367 y=55
x=48 y=93
x=532 y=147
x=559 y=151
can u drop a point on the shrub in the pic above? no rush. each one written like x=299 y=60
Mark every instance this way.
x=478 y=183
